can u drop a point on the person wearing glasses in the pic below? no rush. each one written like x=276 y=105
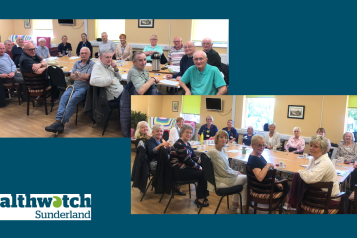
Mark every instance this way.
x=213 y=57
x=176 y=52
x=296 y=143
x=140 y=78
x=124 y=51
x=185 y=63
x=30 y=62
x=152 y=48
x=203 y=78
x=272 y=138
x=106 y=44
x=208 y=130
x=17 y=50
x=231 y=131
x=84 y=43
x=42 y=49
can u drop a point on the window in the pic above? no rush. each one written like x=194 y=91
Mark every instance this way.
x=112 y=27
x=42 y=28
x=258 y=111
x=352 y=114
x=191 y=108
x=216 y=30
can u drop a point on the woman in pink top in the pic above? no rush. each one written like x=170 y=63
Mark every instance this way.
x=296 y=144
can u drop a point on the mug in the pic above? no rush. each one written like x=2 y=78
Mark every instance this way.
x=199 y=147
x=305 y=155
x=281 y=164
x=342 y=160
x=206 y=142
x=274 y=148
x=334 y=161
x=203 y=147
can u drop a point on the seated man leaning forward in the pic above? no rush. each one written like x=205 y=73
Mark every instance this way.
x=138 y=75
x=106 y=74
x=81 y=72
x=204 y=78
x=30 y=62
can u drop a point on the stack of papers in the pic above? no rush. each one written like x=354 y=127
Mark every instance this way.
x=341 y=172
x=74 y=57
x=168 y=82
x=148 y=64
x=124 y=76
x=52 y=58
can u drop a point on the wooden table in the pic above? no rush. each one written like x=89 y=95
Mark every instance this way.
x=67 y=65
x=291 y=160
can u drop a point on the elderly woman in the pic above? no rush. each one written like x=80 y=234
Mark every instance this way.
x=42 y=49
x=106 y=44
x=155 y=143
x=247 y=138
x=174 y=132
x=124 y=51
x=231 y=131
x=295 y=143
x=322 y=132
x=272 y=138
x=142 y=132
x=347 y=149
x=64 y=48
x=84 y=43
x=186 y=164
x=225 y=176
x=320 y=168
x=260 y=166
x=208 y=130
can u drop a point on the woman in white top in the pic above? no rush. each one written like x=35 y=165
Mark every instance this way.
x=225 y=176
x=272 y=138
x=174 y=132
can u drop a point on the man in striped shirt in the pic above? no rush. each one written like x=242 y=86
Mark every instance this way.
x=176 y=52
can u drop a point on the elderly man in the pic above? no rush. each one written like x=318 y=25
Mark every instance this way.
x=106 y=74
x=17 y=50
x=204 y=78
x=176 y=52
x=81 y=72
x=30 y=62
x=213 y=57
x=42 y=49
x=8 y=47
x=106 y=44
x=139 y=77
x=152 y=48
x=186 y=61
x=7 y=66
x=64 y=47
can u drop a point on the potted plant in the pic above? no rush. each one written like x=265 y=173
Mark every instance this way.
x=135 y=118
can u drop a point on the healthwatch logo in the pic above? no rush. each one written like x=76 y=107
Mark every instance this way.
x=45 y=206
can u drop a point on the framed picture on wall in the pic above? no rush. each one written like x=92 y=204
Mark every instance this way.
x=296 y=112
x=175 y=105
x=27 y=23
x=146 y=23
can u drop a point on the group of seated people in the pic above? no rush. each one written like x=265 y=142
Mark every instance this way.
x=186 y=164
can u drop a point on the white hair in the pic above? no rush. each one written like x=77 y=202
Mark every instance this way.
x=296 y=127
x=137 y=131
x=152 y=36
x=272 y=124
x=201 y=52
x=211 y=117
x=157 y=127
x=353 y=137
x=84 y=47
x=102 y=52
x=42 y=39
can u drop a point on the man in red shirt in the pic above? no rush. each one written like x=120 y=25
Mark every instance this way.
x=8 y=46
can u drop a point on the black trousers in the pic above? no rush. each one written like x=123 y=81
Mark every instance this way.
x=353 y=179
x=192 y=174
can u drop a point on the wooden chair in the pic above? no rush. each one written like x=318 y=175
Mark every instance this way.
x=13 y=85
x=36 y=85
x=352 y=202
x=316 y=201
x=208 y=170
x=263 y=192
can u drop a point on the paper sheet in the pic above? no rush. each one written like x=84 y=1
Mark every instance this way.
x=168 y=82
x=341 y=172
x=148 y=64
x=302 y=165
x=74 y=57
x=232 y=151
x=124 y=76
x=52 y=58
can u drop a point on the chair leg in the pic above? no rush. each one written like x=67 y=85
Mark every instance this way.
x=33 y=103
x=18 y=95
x=247 y=207
x=161 y=197
x=189 y=189
x=52 y=100
x=169 y=201
x=228 y=201
x=76 y=114
x=241 y=206
x=218 y=204
x=146 y=190
x=106 y=123
x=44 y=99
x=28 y=105
x=255 y=208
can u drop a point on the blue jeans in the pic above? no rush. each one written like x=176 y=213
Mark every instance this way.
x=78 y=95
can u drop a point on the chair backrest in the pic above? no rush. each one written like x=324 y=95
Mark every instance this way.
x=57 y=77
x=225 y=71
x=330 y=153
x=265 y=186
x=282 y=145
x=163 y=59
x=35 y=81
x=166 y=134
x=207 y=168
x=316 y=197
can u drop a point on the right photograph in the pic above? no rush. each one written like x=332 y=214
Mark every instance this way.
x=243 y=154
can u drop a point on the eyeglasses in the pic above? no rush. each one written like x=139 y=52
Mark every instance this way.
x=176 y=41
x=33 y=49
x=187 y=47
x=153 y=39
x=198 y=59
x=296 y=131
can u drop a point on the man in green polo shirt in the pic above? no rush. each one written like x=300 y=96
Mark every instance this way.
x=204 y=78
x=152 y=48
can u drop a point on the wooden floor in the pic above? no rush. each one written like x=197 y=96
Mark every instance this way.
x=178 y=205
x=14 y=122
